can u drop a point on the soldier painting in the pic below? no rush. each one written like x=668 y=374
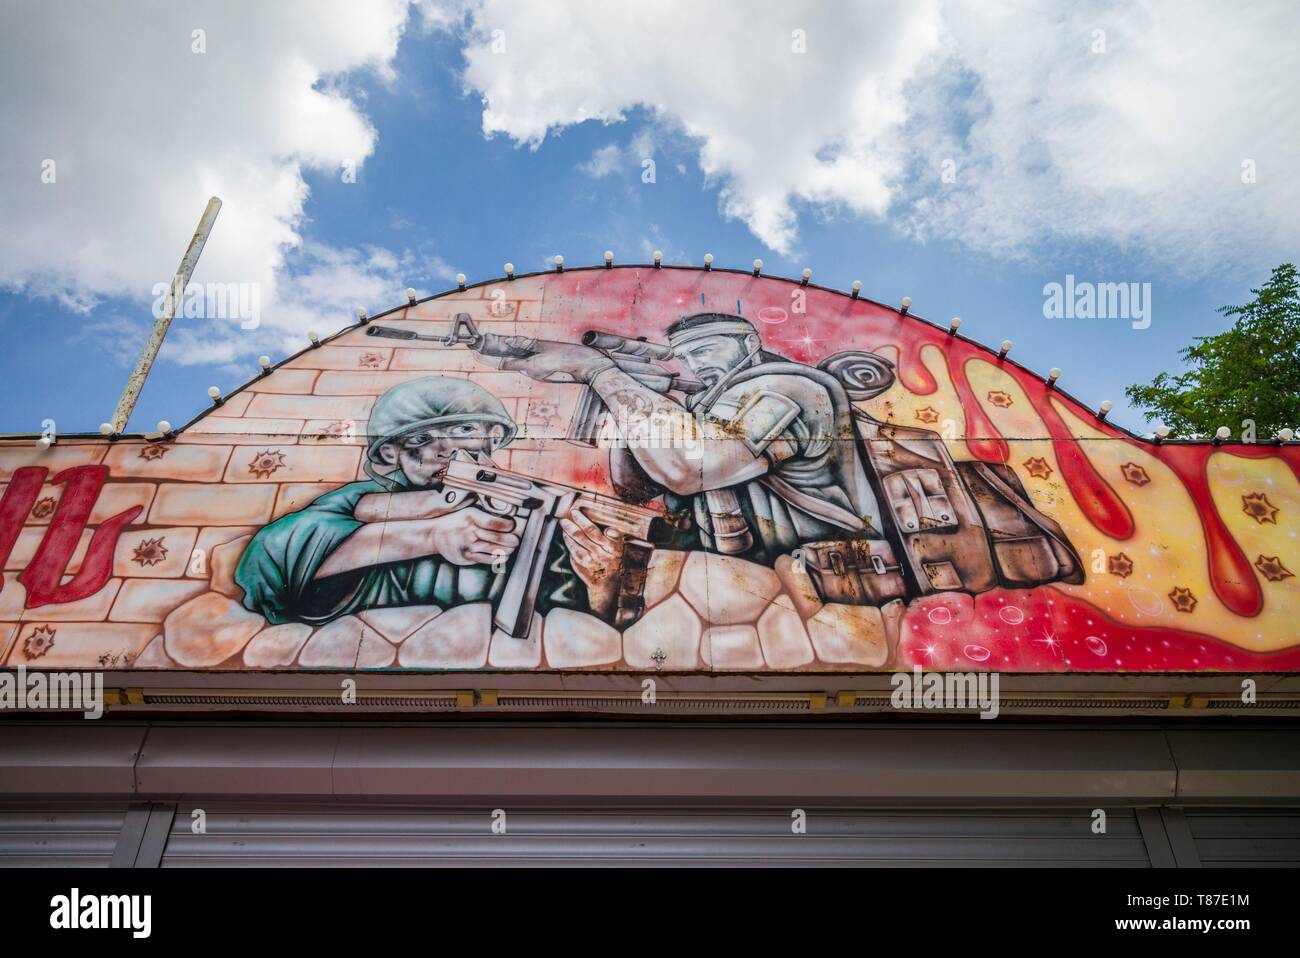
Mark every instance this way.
x=774 y=474
x=780 y=469
x=775 y=465
x=792 y=470
x=690 y=493
x=390 y=541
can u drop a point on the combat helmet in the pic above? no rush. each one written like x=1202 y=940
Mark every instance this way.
x=433 y=401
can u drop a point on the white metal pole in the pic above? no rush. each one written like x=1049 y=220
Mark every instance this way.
x=174 y=295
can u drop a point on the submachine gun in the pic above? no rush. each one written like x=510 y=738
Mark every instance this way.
x=535 y=505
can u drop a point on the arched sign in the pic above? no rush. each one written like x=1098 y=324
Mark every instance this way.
x=645 y=468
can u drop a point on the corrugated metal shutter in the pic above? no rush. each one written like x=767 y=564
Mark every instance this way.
x=84 y=837
x=1254 y=837
x=647 y=836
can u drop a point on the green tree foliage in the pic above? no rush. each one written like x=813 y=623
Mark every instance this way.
x=1248 y=372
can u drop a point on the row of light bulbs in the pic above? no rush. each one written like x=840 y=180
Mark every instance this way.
x=1222 y=434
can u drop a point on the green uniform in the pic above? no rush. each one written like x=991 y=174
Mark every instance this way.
x=278 y=569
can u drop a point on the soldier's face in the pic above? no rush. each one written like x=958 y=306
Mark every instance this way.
x=423 y=455
x=712 y=357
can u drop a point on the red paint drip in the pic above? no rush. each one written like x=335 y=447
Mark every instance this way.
x=911 y=370
x=986 y=443
x=1231 y=573
x=1097 y=500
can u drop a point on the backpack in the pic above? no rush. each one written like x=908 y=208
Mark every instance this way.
x=955 y=526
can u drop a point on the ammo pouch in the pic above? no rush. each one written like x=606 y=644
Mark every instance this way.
x=927 y=506
x=854 y=571
x=1030 y=549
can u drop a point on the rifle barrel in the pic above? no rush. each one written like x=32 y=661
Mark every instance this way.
x=641 y=348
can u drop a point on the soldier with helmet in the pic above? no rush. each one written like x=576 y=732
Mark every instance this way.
x=792 y=470
x=780 y=468
x=369 y=545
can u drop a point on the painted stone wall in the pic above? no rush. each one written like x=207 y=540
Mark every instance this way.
x=1151 y=558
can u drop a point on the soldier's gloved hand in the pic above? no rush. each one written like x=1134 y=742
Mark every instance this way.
x=596 y=557
x=471 y=536
x=552 y=362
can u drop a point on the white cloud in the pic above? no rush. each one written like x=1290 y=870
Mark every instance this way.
x=773 y=125
x=142 y=130
x=603 y=162
x=1141 y=145
x=613 y=158
x=319 y=292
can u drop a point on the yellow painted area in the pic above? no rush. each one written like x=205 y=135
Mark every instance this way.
x=1168 y=548
x=940 y=411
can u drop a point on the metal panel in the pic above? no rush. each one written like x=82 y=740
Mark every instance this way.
x=1153 y=834
x=280 y=760
x=683 y=762
x=156 y=832
x=628 y=762
x=1180 y=838
x=33 y=837
x=82 y=758
x=755 y=763
x=350 y=835
x=128 y=840
x=1236 y=764
x=1236 y=837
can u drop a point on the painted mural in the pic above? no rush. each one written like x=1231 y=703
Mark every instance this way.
x=650 y=469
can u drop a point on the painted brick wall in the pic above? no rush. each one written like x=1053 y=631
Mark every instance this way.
x=1191 y=555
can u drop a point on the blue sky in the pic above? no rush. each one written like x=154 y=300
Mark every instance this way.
x=437 y=195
